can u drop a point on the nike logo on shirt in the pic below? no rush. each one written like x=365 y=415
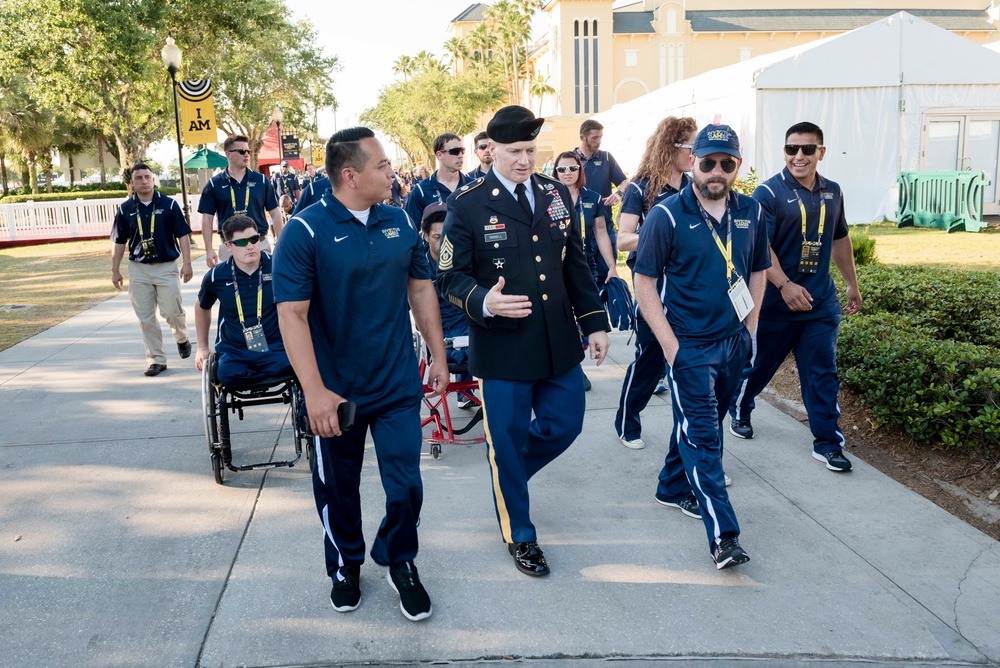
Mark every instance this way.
x=790 y=201
x=339 y=239
x=694 y=226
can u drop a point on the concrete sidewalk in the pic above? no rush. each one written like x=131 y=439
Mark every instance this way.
x=118 y=549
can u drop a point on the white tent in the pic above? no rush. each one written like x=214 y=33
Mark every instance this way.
x=868 y=89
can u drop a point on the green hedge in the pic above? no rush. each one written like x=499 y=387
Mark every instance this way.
x=924 y=356
x=69 y=196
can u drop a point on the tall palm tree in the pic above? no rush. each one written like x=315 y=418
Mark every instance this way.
x=539 y=89
x=403 y=66
x=458 y=50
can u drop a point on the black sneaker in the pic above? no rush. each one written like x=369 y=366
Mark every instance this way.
x=741 y=429
x=413 y=599
x=346 y=594
x=729 y=553
x=835 y=461
x=184 y=349
x=466 y=402
x=587 y=386
x=687 y=505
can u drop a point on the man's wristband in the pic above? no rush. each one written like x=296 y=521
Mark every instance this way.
x=787 y=281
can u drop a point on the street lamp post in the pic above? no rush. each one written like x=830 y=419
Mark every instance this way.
x=171 y=55
x=277 y=116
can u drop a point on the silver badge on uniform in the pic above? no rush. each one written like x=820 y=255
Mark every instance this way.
x=498 y=262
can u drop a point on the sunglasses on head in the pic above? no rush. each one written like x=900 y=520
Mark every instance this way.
x=707 y=165
x=458 y=150
x=241 y=151
x=243 y=243
x=807 y=149
x=482 y=147
x=568 y=168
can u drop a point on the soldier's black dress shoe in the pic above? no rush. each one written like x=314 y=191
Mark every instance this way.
x=528 y=558
x=184 y=349
x=155 y=369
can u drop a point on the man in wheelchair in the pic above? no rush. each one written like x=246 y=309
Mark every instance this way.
x=248 y=344
x=453 y=320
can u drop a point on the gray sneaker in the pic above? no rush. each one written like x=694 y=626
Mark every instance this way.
x=687 y=505
x=741 y=429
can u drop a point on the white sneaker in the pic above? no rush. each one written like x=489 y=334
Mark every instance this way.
x=729 y=481
x=635 y=444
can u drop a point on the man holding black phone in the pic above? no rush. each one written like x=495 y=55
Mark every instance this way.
x=344 y=274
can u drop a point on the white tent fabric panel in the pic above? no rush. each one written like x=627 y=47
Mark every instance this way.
x=859 y=128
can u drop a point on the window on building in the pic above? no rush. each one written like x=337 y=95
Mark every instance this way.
x=586 y=99
x=632 y=58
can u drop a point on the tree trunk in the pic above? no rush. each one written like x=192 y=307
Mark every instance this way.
x=72 y=170
x=33 y=170
x=3 y=173
x=100 y=161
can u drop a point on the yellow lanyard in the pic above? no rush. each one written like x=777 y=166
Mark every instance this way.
x=246 y=200
x=822 y=216
x=727 y=249
x=152 y=219
x=260 y=294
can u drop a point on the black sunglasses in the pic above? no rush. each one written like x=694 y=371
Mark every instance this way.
x=568 y=168
x=482 y=147
x=243 y=243
x=807 y=149
x=707 y=165
x=241 y=151
x=458 y=150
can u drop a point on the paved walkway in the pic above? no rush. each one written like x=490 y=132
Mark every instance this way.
x=118 y=549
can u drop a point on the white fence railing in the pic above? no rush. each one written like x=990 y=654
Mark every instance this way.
x=68 y=219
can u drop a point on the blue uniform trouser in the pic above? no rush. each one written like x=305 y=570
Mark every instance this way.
x=519 y=446
x=246 y=367
x=702 y=381
x=815 y=346
x=337 y=480
x=641 y=379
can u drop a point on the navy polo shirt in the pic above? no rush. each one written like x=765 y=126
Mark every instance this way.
x=677 y=245
x=217 y=198
x=590 y=207
x=355 y=277
x=478 y=173
x=451 y=315
x=427 y=192
x=780 y=207
x=602 y=171
x=312 y=194
x=635 y=202
x=285 y=184
x=217 y=286
x=170 y=226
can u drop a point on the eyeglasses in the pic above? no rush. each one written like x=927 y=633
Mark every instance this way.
x=243 y=243
x=572 y=169
x=687 y=146
x=458 y=150
x=241 y=151
x=728 y=165
x=807 y=149
x=482 y=147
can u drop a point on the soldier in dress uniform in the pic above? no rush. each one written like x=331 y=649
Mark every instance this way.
x=512 y=259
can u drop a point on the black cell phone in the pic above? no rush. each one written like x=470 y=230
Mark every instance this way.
x=345 y=415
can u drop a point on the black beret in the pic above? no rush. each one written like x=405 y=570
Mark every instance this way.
x=514 y=124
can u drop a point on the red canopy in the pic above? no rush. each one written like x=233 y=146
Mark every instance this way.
x=268 y=154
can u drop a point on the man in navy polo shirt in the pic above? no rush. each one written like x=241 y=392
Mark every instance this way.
x=344 y=274
x=482 y=148
x=153 y=228
x=710 y=245
x=237 y=190
x=285 y=182
x=446 y=179
x=807 y=227
x=312 y=194
x=248 y=341
x=602 y=172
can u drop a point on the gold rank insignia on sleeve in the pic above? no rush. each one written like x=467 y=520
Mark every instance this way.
x=456 y=301
x=447 y=255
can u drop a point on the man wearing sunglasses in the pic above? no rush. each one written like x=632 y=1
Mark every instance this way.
x=481 y=142
x=248 y=341
x=448 y=178
x=237 y=190
x=807 y=228
x=710 y=245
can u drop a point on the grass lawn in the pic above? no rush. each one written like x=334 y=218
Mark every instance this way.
x=58 y=279
x=936 y=248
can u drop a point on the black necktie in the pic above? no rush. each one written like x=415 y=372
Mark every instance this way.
x=522 y=199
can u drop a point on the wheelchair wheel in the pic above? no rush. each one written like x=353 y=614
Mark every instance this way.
x=210 y=406
x=217 y=467
x=436 y=450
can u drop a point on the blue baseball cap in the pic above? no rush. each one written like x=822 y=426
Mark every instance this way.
x=716 y=139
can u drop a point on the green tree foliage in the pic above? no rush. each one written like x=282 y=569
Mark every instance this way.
x=429 y=102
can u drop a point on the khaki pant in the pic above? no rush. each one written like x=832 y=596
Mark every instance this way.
x=151 y=286
x=265 y=247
